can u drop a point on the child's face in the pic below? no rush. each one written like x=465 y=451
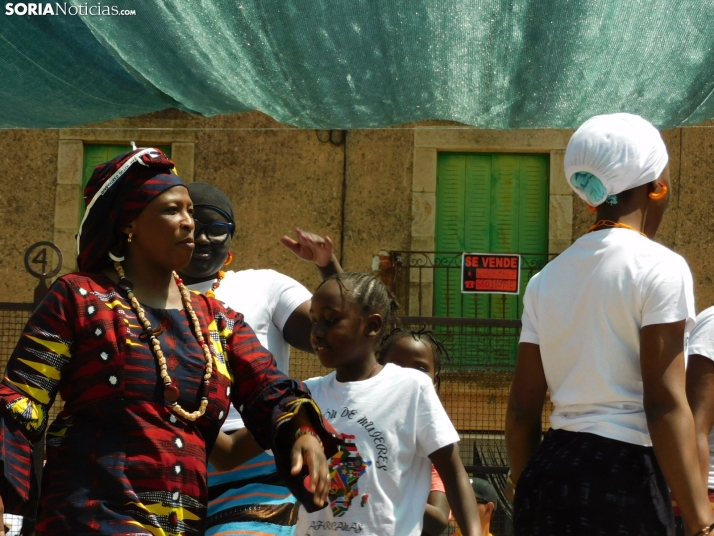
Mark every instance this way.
x=410 y=353
x=341 y=333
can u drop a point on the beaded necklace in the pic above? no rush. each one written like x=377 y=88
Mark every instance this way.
x=609 y=223
x=171 y=392
x=211 y=293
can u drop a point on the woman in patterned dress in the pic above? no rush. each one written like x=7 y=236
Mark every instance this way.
x=146 y=371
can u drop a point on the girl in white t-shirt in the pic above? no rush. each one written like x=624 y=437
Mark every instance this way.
x=391 y=420
x=603 y=331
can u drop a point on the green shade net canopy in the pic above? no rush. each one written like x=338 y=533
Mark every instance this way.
x=363 y=63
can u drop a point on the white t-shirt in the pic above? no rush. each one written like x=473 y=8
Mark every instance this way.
x=586 y=309
x=267 y=299
x=701 y=342
x=392 y=422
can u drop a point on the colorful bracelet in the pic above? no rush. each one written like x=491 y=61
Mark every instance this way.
x=307 y=430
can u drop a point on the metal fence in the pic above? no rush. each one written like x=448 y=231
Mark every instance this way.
x=412 y=276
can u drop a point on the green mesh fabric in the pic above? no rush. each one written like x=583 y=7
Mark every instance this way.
x=364 y=63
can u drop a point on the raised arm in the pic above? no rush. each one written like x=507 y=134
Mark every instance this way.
x=524 y=428
x=670 y=420
x=313 y=248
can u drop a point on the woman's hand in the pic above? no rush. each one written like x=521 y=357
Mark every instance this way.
x=310 y=247
x=308 y=450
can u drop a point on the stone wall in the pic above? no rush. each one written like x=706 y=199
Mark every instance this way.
x=369 y=190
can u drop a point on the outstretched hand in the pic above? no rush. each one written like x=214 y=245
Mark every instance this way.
x=310 y=247
x=308 y=450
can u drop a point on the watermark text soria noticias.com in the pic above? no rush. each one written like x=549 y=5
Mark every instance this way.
x=62 y=8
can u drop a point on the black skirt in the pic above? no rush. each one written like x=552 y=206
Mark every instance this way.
x=588 y=485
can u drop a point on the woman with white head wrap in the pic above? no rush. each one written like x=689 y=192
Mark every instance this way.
x=603 y=331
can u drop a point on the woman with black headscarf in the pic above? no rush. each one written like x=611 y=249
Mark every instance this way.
x=147 y=371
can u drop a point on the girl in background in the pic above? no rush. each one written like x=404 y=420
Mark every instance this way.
x=392 y=422
x=420 y=350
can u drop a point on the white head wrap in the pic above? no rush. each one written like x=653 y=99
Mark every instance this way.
x=622 y=150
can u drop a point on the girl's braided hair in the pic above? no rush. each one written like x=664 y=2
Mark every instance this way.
x=369 y=293
x=424 y=335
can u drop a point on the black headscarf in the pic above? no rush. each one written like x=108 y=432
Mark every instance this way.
x=208 y=196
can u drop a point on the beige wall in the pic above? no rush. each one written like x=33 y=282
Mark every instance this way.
x=380 y=198
x=28 y=169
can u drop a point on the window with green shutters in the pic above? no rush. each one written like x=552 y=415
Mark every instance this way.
x=98 y=154
x=488 y=203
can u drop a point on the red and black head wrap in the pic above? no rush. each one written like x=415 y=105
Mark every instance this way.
x=115 y=195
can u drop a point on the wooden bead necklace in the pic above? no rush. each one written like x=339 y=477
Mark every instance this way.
x=211 y=293
x=171 y=392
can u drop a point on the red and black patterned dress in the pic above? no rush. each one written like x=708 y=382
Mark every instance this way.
x=119 y=460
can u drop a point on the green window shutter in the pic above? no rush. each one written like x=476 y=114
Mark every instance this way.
x=504 y=223
x=533 y=226
x=98 y=154
x=490 y=204
x=478 y=209
x=451 y=175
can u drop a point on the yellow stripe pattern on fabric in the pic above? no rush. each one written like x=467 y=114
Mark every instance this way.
x=37 y=413
x=58 y=433
x=116 y=303
x=42 y=396
x=53 y=346
x=161 y=510
x=46 y=370
x=156 y=531
x=218 y=365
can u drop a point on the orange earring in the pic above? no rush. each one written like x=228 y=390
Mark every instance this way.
x=592 y=208
x=661 y=193
x=229 y=259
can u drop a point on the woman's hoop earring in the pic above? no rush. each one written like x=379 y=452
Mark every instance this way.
x=661 y=193
x=229 y=259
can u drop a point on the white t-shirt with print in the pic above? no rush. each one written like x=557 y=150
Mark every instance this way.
x=585 y=310
x=701 y=342
x=392 y=422
x=267 y=299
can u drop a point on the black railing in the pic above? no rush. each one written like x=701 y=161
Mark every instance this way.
x=427 y=283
